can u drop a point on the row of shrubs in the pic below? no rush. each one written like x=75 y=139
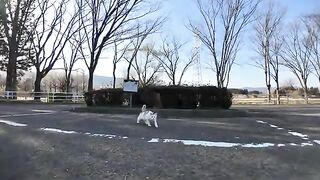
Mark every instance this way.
x=164 y=97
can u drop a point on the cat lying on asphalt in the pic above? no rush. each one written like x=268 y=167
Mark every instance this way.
x=147 y=117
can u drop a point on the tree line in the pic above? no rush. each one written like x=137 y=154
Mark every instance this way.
x=294 y=46
x=39 y=33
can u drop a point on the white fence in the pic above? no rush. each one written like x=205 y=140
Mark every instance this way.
x=283 y=100
x=41 y=96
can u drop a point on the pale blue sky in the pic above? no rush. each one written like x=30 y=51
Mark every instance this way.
x=243 y=74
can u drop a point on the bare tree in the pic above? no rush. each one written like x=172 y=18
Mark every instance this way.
x=117 y=57
x=275 y=62
x=56 y=82
x=169 y=57
x=268 y=44
x=15 y=27
x=297 y=55
x=132 y=53
x=135 y=44
x=80 y=82
x=50 y=83
x=68 y=63
x=52 y=35
x=313 y=27
x=102 y=21
x=147 y=67
x=234 y=15
x=25 y=84
x=61 y=82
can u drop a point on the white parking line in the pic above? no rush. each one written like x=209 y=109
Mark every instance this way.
x=11 y=123
x=225 y=144
x=317 y=141
x=303 y=114
x=20 y=115
x=303 y=136
x=43 y=111
x=184 y=142
x=297 y=134
x=58 y=131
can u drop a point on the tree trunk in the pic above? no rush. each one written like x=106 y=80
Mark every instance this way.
x=277 y=91
x=218 y=80
x=90 y=81
x=173 y=80
x=68 y=82
x=68 y=85
x=306 y=96
x=128 y=70
x=37 y=87
x=114 y=75
x=11 y=83
x=11 y=79
x=269 y=93
x=305 y=92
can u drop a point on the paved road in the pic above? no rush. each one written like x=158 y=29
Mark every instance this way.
x=49 y=142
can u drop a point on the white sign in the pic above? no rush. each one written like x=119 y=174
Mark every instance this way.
x=130 y=86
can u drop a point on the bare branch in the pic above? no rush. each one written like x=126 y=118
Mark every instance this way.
x=104 y=22
x=297 y=55
x=268 y=44
x=234 y=16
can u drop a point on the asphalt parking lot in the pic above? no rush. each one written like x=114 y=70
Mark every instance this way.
x=50 y=142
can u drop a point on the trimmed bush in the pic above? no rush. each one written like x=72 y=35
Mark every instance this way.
x=179 y=97
x=147 y=96
x=208 y=96
x=104 y=97
x=169 y=96
x=211 y=96
x=88 y=98
x=225 y=99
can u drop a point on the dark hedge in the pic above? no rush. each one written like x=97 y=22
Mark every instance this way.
x=179 y=97
x=104 y=97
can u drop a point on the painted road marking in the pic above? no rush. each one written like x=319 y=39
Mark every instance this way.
x=306 y=114
x=184 y=142
x=11 y=123
x=297 y=134
x=21 y=115
x=224 y=144
x=58 y=131
x=43 y=111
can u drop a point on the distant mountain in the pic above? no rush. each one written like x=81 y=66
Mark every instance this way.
x=264 y=90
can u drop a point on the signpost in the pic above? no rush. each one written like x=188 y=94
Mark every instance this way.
x=130 y=86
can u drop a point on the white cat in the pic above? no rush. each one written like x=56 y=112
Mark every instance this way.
x=147 y=117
